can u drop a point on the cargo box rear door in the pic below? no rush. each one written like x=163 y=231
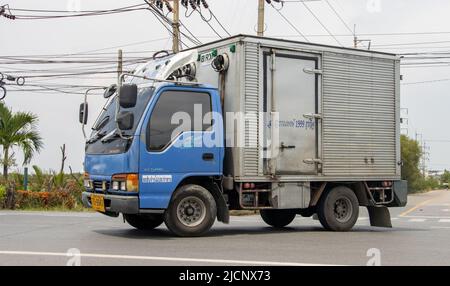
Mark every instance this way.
x=291 y=94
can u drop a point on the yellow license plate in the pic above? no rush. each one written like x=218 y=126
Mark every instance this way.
x=98 y=203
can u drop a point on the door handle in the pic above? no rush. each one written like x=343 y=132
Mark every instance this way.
x=208 y=156
x=282 y=147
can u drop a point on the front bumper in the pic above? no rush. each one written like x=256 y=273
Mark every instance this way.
x=115 y=204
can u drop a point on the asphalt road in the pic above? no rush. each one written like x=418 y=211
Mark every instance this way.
x=420 y=236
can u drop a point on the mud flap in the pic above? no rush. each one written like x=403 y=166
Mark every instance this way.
x=379 y=216
x=223 y=213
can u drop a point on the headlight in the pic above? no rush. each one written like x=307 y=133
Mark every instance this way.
x=87 y=183
x=125 y=182
x=115 y=185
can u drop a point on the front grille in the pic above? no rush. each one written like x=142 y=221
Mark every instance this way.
x=98 y=185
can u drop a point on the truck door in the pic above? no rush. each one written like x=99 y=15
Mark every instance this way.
x=291 y=90
x=180 y=137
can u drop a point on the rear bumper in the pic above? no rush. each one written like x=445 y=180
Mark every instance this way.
x=115 y=204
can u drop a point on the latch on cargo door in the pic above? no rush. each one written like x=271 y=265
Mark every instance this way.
x=312 y=161
x=313 y=115
x=283 y=146
x=313 y=71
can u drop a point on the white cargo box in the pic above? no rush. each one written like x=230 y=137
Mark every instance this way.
x=338 y=110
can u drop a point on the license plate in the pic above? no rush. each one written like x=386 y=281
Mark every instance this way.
x=98 y=203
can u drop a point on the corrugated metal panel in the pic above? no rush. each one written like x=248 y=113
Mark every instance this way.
x=359 y=116
x=251 y=108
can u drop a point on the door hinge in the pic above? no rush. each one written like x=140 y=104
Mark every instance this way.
x=313 y=115
x=313 y=71
x=312 y=161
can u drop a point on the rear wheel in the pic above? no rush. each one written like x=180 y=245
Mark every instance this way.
x=277 y=218
x=338 y=209
x=144 y=222
x=191 y=212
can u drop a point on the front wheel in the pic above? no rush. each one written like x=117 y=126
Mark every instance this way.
x=191 y=212
x=144 y=222
x=338 y=209
x=277 y=218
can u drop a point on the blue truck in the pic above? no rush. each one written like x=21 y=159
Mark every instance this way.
x=247 y=123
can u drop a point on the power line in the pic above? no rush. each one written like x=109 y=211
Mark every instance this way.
x=410 y=44
x=69 y=74
x=66 y=11
x=210 y=26
x=424 y=63
x=157 y=16
x=369 y=34
x=96 y=13
x=290 y=23
x=220 y=24
x=339 y=16
x=320 y=22
x=426 y=81
x=163 y=19
x=426 y=66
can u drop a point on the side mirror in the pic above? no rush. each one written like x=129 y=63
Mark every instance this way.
x=110 y=91
x=125 y=120
x=83 y=116
x=128 y=95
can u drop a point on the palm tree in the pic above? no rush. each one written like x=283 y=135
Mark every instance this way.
x=18 y=130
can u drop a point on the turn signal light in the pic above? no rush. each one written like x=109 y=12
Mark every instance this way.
x=132 y=182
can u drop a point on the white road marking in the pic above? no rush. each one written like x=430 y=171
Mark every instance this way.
x=161 y=258
x=440 y=227
x=446 y=210
x=427 y=217
x=48 y=214
x=417 y=220
x=444 y=220
x=363 y=218
x=394 y=218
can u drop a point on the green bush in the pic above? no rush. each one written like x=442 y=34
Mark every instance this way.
x=2 y=196
x=69 y=198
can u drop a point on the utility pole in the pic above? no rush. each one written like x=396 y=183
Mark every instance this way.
x=119 y=65
x=260 y=31
x=425 y=157
x=176 y=26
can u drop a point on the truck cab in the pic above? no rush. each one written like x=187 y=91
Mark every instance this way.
x=175 y=136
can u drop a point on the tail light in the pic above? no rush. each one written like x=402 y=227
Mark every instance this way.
x=248 y=185
x=386 y=184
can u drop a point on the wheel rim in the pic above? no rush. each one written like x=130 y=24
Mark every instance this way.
x=191 y=211
x=343 y=209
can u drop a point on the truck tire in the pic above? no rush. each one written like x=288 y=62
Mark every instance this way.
x=277 y=218
x=338 y=209
x=144 y=222
x=191 y=212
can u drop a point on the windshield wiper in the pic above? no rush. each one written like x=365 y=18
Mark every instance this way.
x=112 y=136
x=96 y=137
x=102 y=123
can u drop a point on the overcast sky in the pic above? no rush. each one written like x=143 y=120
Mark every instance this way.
x=428 y=104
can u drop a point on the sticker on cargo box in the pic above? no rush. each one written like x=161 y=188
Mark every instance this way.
x=156 y=179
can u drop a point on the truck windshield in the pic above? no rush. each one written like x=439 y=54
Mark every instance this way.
x=105 y=125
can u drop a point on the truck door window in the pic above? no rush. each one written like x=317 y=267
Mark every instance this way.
x=160 y=128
